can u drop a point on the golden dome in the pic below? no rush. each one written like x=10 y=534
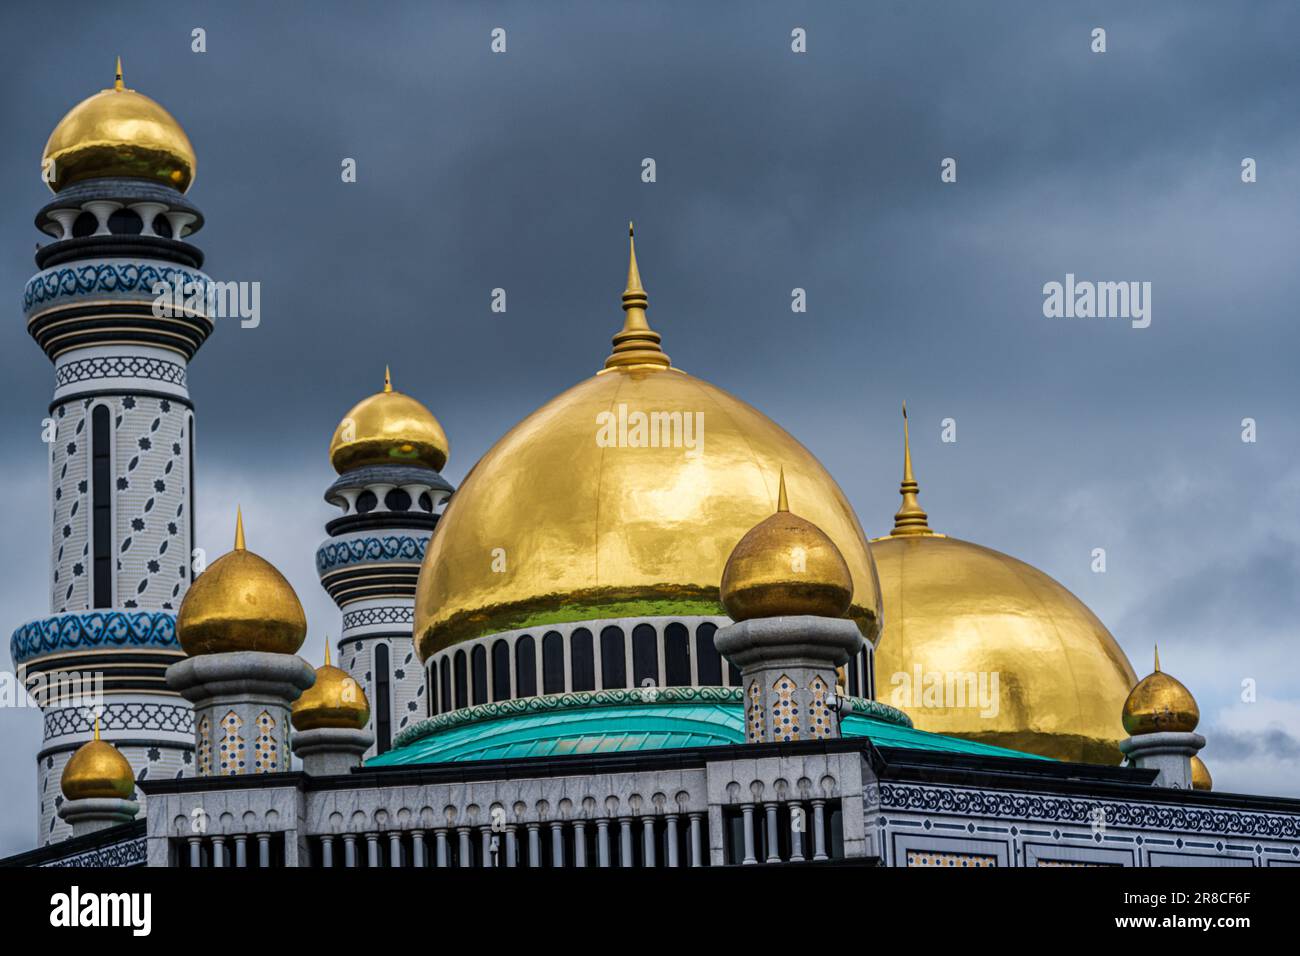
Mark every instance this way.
x=955 y=608
x=241 y=603
x=97 y=769
x=1160 y=703
x=388 y=428
x=119 y=132
x=1201 y=779
x=335 y=700
x=573 y=515
x=785 y=565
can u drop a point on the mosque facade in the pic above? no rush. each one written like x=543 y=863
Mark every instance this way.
x=677 y=654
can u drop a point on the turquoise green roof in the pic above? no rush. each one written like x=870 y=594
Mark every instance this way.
x=623 y=723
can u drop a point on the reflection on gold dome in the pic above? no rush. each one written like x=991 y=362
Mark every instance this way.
x=335 y=700
x=241 y=603
x=1201 y=779
x=574 y=515
x=388 y=428
x=119 y=132
x=97 y=769
x=785 y=565
x=953 y=608
x=1160 y=703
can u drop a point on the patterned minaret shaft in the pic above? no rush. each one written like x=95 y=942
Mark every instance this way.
x=389 y=451
x=121 y=438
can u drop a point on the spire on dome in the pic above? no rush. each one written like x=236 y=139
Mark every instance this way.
x=1157 y=651
x=911 y=518
x=388 y=380
x=327 y=650
x=637 y=344
x=117 y=79
x=239 y=528
x=782 y=502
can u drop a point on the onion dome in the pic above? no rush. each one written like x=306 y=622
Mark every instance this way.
x=1201 y=779
x=388 y=428
x=1160 y=703
x=97 y=769
x=622 y=497
x=119 y=132
x=335 y=700
x=952 y=607
x=241 y=603
x=786 y=565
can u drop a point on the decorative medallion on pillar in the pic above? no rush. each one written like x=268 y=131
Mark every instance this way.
x=787 y=587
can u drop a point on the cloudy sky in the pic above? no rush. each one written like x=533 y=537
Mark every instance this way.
x=775 y=170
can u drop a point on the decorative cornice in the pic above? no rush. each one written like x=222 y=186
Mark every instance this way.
x=133 y=280
x=91 y=630
x=403 y=548
x=580 y=700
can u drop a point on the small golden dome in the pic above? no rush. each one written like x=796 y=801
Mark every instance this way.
x=241 y=603
x=1160 y=703
x=97 y=769
x=388 y=428
x=335 y=700
x=786 y=565
x=1201 y=779
x=119 y=132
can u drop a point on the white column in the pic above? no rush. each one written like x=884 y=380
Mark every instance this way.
x=264 y=850
x=463 y=834
x=349 y=850
x=241 y=851
x=747 y=811
x=218 y=852
x=557 y=844
x=773 y=839
x=101 y=209
x=819 y=833
x=440 y=847
x=534 y=844
x=579 y=843
x=395 y=848
x=602 y=842
x=512 y=849
x=487 y=847
x=671 y=821
x=372 y=850
x=696 y=842
x=196 y=852
x=648 y=840
x=798 y=823
x=327 y=851
x=147 y=211
x=625 y=841
x=417 y=849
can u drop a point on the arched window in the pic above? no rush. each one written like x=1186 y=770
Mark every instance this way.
x=383 y=706
x=444 y=678
x=645 y=656
x=501 y=671
x=462 y=688
x=526 y=667
x=613 y=659
x=552 y=663
x=706 y=656
x=431 y=681
x=677 y=655
x=101 y=425
x=478 y=667
x=583 y=655
x=854 y=669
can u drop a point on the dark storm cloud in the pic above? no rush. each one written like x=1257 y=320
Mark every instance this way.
x=775 y=171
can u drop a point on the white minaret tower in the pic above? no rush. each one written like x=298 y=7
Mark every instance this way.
x=121 y=437
x=389 y=451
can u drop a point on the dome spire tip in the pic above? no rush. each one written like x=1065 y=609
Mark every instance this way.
x=118 y=84
x=239 y=528
x=910 y=518
x=637 y=343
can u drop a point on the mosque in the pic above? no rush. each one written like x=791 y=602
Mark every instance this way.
x=672 y=656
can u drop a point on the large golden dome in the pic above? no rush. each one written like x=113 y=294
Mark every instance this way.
x=241 y=603
x=955 y=608
x=97 y=770
x=388 y=428
x=553 y=524
x=119 y=132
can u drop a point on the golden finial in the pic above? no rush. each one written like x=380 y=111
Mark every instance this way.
x=637 y=344
x=782 y=502
x=239 y=528
x=96 y=726
x=388 y=380
x=117 y=80
x=327 y=650
x=910 y=519
x=1157 y=650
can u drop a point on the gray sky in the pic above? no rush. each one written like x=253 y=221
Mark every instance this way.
x=775 y=170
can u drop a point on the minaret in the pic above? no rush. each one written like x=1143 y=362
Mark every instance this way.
x=389 y=451
x=1161 y=716
x=787 y=587
x=121 y=436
